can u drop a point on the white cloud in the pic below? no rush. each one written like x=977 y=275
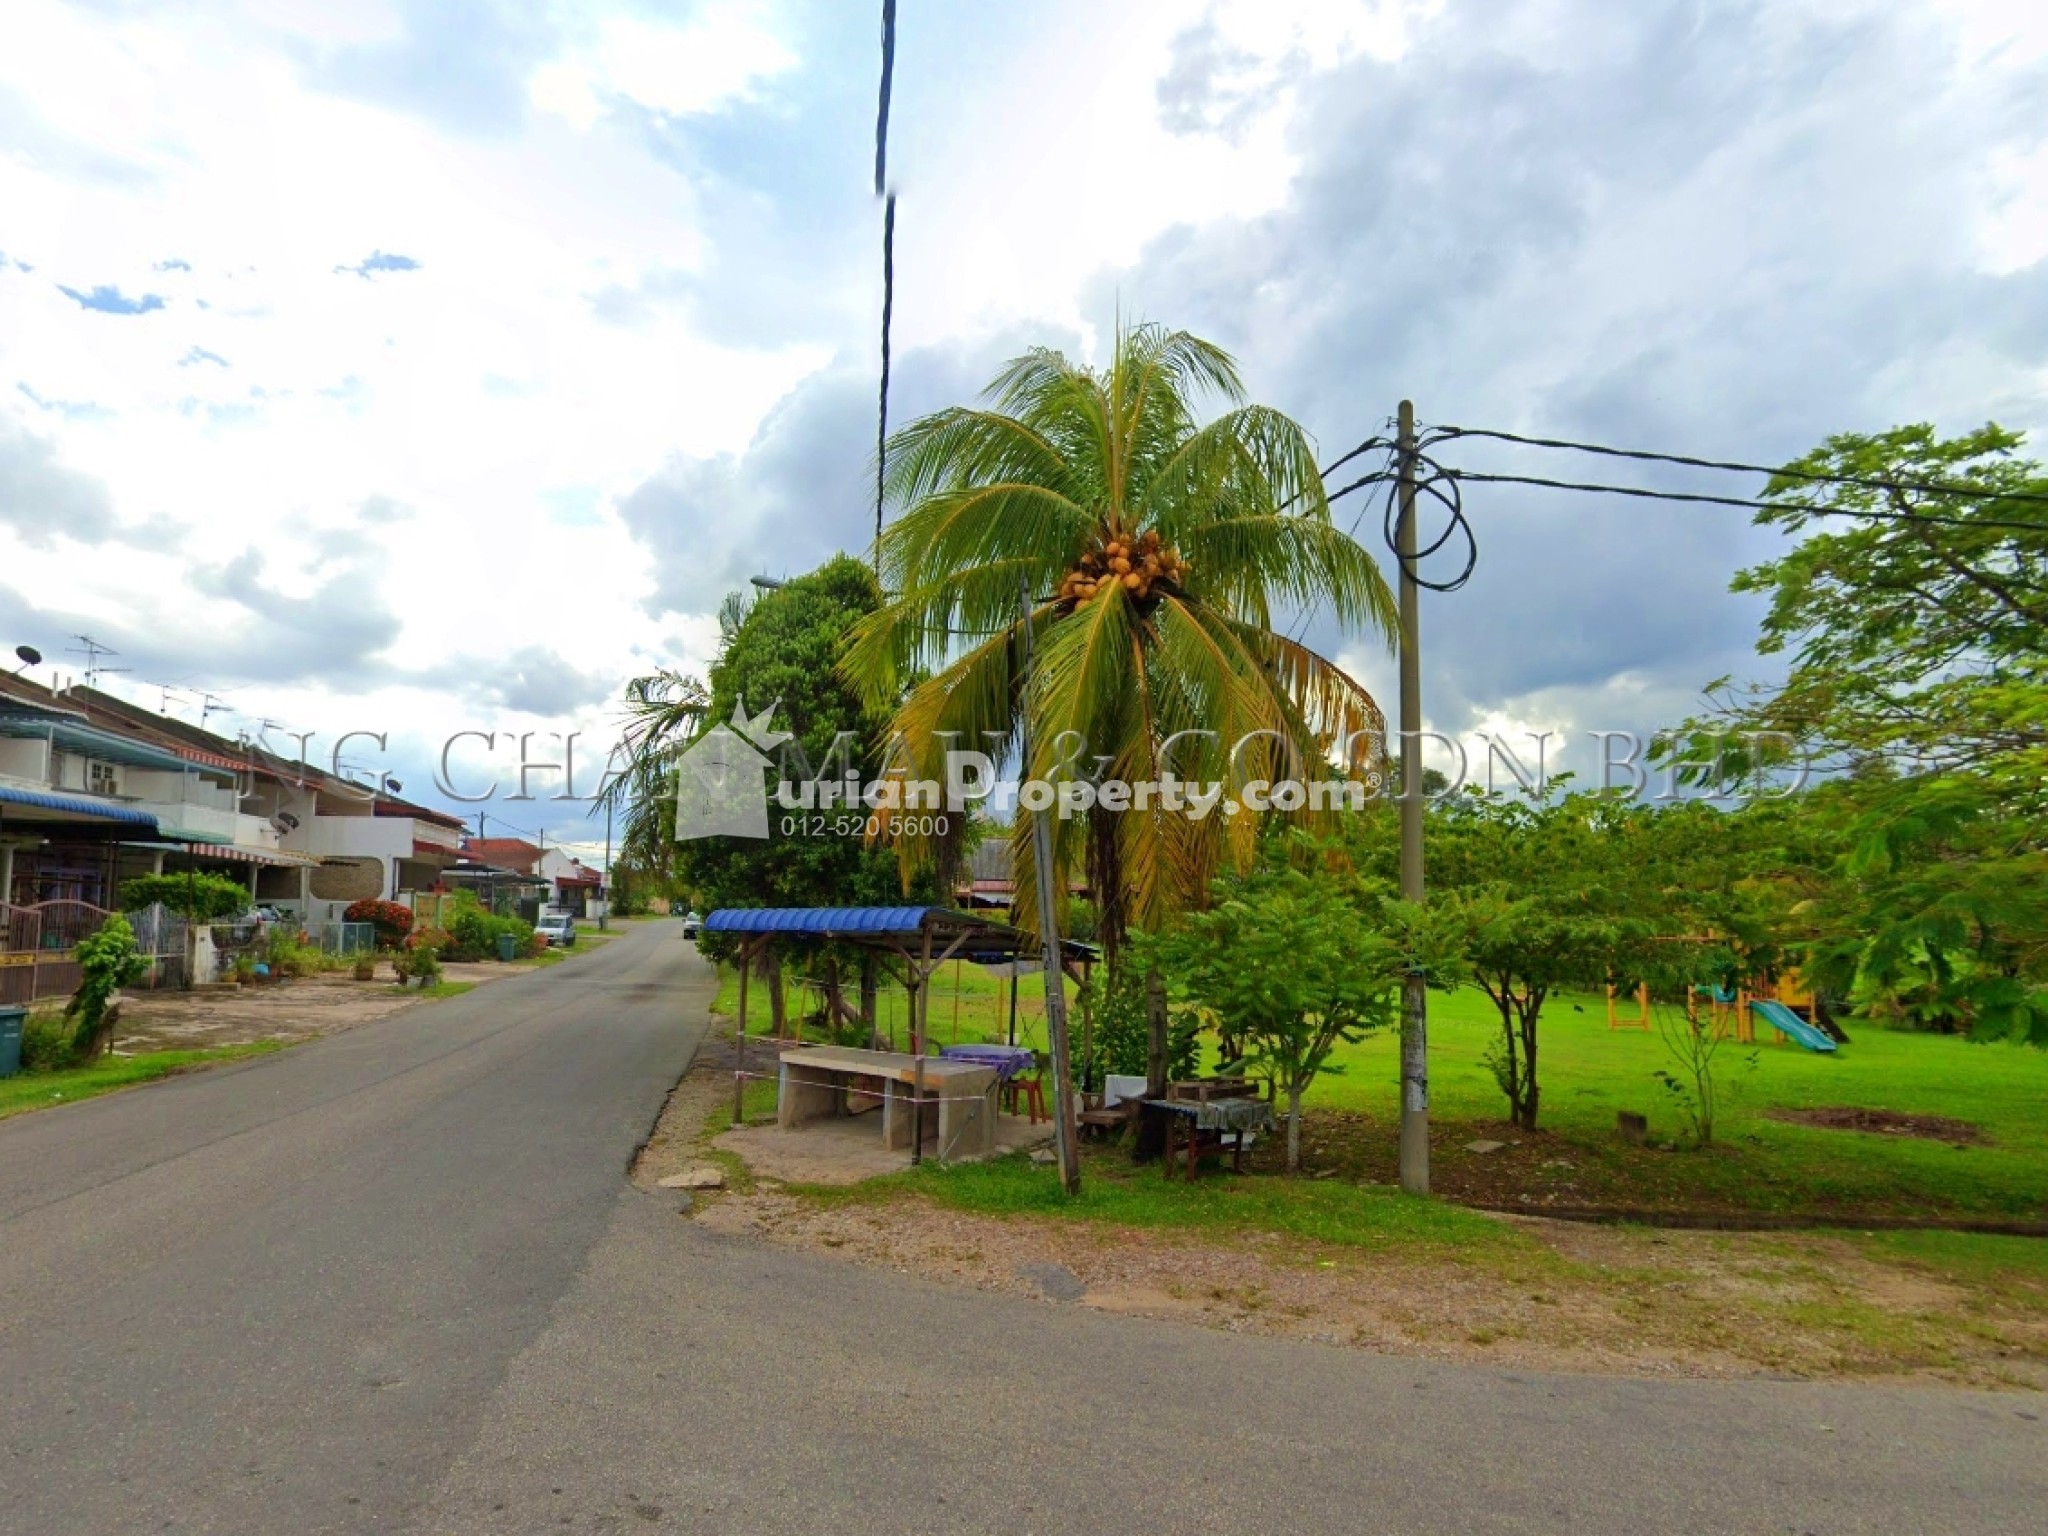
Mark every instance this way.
x=715 y=58
x=633 y=360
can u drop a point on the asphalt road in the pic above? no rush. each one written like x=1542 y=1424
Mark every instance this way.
x=394 y=1280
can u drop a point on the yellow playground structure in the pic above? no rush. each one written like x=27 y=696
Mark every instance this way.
x=1787 y=1006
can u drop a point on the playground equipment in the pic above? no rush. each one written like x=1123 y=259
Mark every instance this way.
x=1789 y=1024
x=1728 y=1012
x=1641 y=1020
x=1788 y=1007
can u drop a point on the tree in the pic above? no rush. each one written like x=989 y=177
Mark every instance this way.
x=1291 y=964
x=664 y=711
x=1544 y=895
x=1153 y=550
x=780 y=649
x=1916 y=620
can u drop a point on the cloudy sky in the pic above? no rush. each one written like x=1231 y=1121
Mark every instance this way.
x=412 y=364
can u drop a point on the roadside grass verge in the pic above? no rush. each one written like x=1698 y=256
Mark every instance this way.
x=43 y=1090
x=1114 y=1191
x=2014 y=1270
x=438 y=989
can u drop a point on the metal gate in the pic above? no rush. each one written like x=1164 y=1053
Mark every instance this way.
x=38 y=947
x=161 y=934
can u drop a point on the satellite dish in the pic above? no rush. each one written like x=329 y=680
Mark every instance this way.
x=30 y=656
x=393 y=785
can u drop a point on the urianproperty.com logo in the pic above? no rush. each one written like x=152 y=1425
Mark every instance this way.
x=723 y=788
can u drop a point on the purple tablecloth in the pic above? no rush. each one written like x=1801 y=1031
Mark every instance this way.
x=1007 y=1060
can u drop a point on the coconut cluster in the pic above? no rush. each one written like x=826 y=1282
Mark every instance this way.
x=1137 y=564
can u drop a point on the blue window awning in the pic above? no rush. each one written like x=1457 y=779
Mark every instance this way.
x=78 y=805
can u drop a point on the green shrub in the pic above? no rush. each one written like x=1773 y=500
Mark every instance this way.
x=203 y=898
x=47 y=1044
x=107 y=961
x=289 y=952
x=392 y=921
x=473 y=933
x=1121 y=1039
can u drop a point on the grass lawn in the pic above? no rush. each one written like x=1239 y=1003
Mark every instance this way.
x=967 y=1005
x=41 y=1090
x=1759 y=1165
x=1114 y=1190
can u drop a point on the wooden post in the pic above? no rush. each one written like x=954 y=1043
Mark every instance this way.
x=867 y=994
x=920 y=994
x=778 y=1008
x=739 y=1043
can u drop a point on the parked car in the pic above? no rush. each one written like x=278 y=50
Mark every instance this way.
x=692 y=925
x=559 y=931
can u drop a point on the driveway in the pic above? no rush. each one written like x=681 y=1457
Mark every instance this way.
x=395 y=1280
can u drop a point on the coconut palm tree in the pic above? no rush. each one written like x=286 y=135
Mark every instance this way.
x=1154 y=549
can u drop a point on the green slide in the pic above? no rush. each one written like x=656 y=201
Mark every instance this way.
x=1779 y=1017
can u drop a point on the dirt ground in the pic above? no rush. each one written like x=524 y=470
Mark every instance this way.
x=1582 y=1298
x=289 y=1011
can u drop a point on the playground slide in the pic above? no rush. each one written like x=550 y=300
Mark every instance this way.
x=1779 y=1017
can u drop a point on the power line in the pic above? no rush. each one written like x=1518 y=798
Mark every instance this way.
x=1864 y=482
x=1892 y=515
x=882 y=106
x=888 y=263
x=1433 y=481
x=882 y=408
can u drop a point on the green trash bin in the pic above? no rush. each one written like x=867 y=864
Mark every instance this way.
x=11 y=1016
x=508 y=947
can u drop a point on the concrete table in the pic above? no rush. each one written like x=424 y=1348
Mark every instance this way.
x=816 y=1082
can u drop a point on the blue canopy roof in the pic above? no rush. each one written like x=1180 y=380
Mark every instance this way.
x=987 y=941
x=828 y=922
x=78 y=805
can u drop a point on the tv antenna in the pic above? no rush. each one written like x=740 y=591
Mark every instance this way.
x=92 y=651
x=165 y=693
x=209 y=705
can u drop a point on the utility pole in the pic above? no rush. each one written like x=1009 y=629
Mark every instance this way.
x=1066 y=1132
x=1414 y=993
x=604 y=918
